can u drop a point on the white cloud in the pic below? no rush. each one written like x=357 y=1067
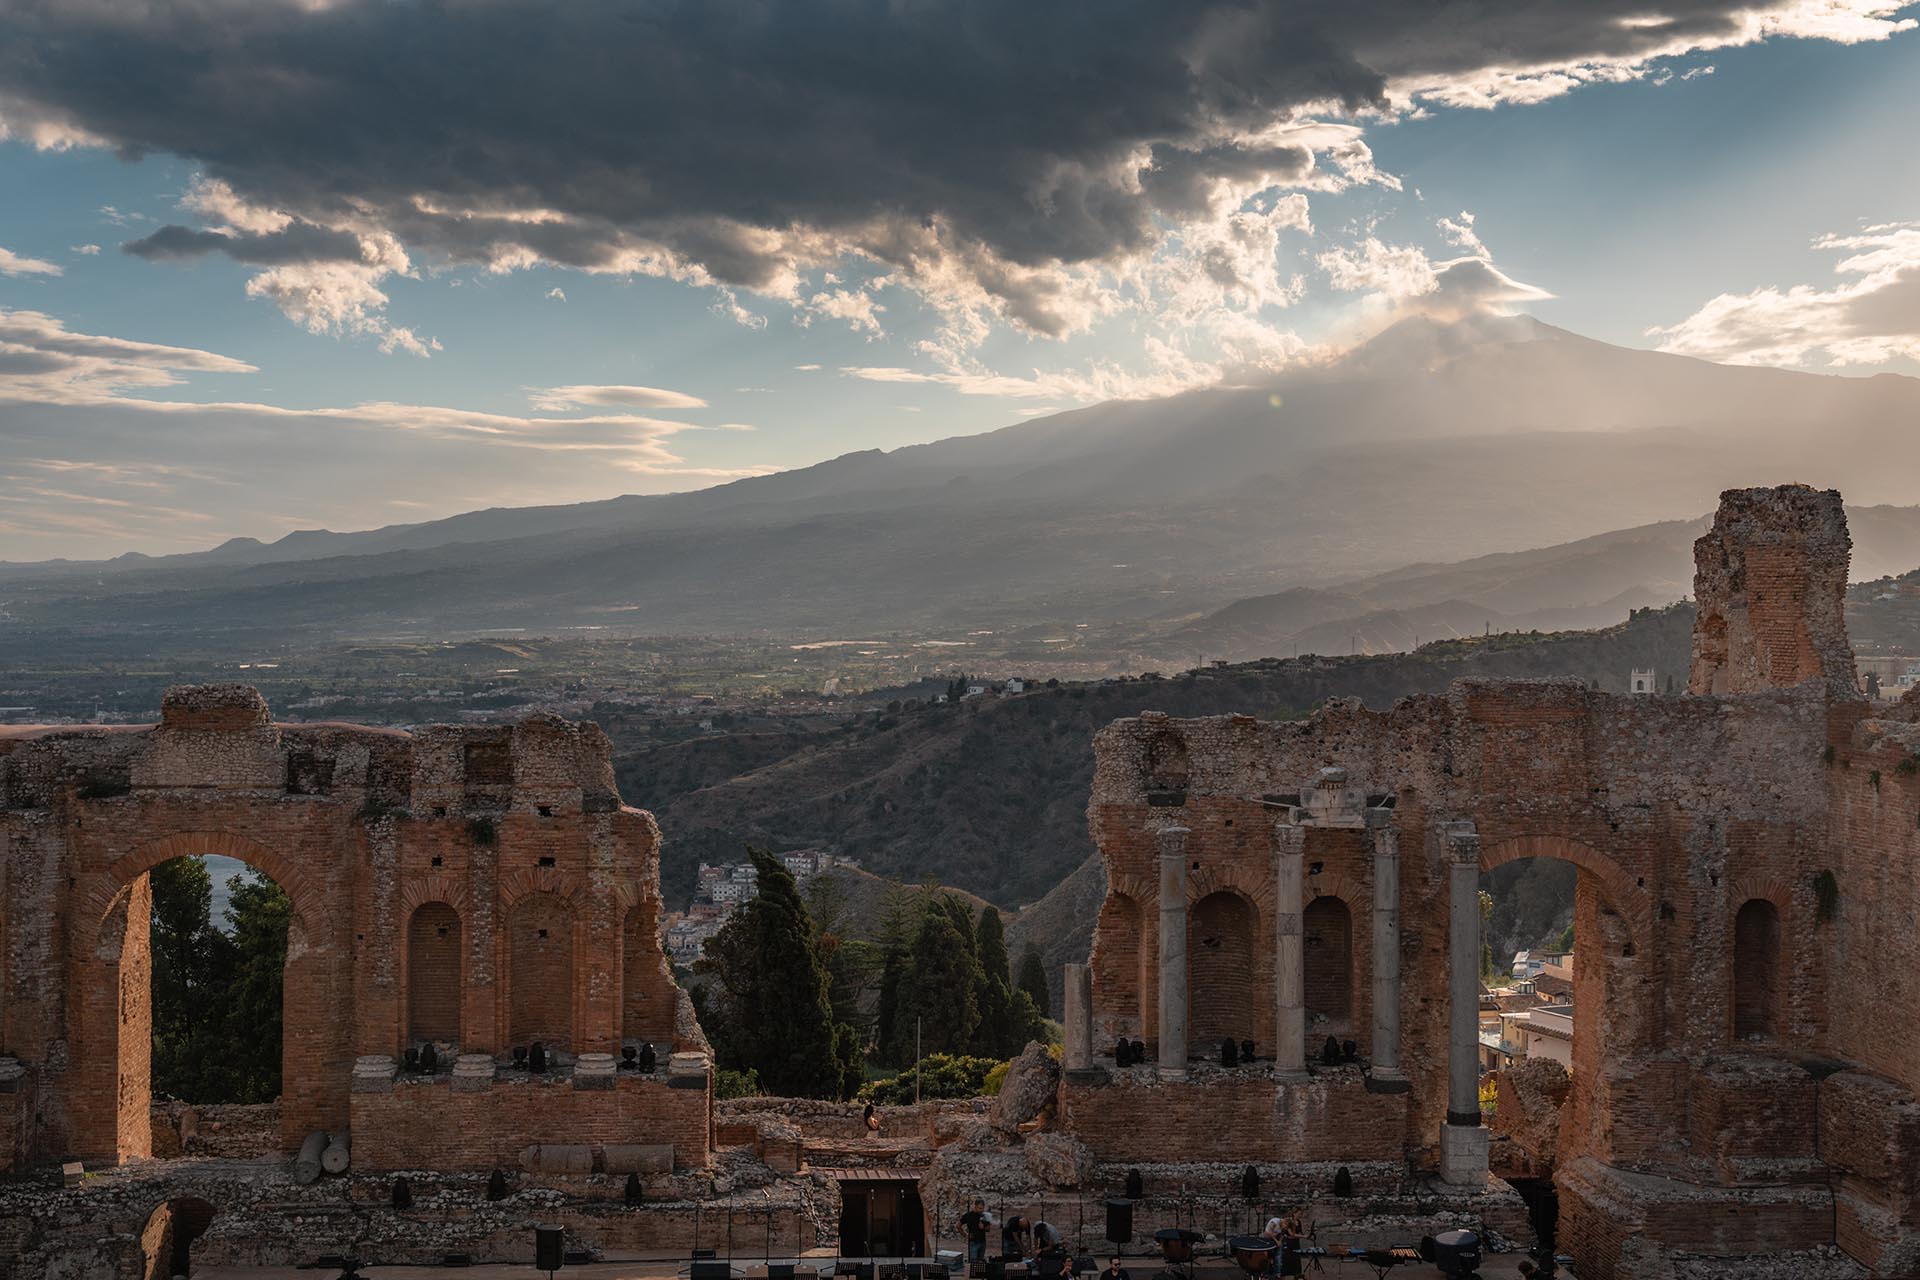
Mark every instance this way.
x=557 y=294
x=560 y=398
x=12 y=264
x=857 y=308
x=84 y=250
x=1871 y=318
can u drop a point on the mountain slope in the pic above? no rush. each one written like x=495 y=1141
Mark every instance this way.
x=1460 y=441
x=990 y=796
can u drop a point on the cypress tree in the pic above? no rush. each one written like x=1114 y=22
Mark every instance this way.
x=1033 y=980
x=998 y=1036
x=938 y=988
x=773 y=1013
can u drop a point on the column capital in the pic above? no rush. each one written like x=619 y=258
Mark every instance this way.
x=1378 y=817
x=1289 y=838
x=1172 y=840
x=1463 y=841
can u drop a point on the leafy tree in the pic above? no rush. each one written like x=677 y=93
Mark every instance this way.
x=259 y=912
x=1033 y=980
x=773 y=1014
x=190 y=962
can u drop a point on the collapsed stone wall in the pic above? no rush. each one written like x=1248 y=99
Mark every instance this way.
x=425 y=870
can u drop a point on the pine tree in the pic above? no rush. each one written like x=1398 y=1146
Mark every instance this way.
x=1033 y=980
x=998 y=1035
x=771 y=1011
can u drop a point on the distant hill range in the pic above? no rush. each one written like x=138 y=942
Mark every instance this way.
x=1295 y=498
x=990 y=796
x=1578 y=585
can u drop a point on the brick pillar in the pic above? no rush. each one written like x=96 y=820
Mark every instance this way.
x=1078 y=1015
x=1289 y=967
x=1173 y=952
x=1463 y=1140
x=1386 y=948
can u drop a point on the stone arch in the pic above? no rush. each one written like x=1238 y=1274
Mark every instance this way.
x=527 y=881
x=435 y=958
x=1626 y=898
x=542 y=946
x=103 y=895
x=113 y=1048
x=1327 y=957
x=166 y=1241
x=1221 y=968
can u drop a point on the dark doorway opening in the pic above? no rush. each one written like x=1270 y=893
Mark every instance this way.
x=167 y=1241
x=881 y=1218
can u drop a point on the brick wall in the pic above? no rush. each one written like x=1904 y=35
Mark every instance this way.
x=431 y=1125
x=1235 y=1116
x=382 y=840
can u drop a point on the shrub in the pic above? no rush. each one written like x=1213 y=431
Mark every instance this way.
x=736 y=1084
x=941 y=1075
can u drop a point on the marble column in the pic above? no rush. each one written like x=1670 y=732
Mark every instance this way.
x=1078 y=1015
x=1289 y=961
x=1173 y=952
x=1386 y=947
x=1463 y=1141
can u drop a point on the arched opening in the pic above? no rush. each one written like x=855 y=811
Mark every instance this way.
x=433 y=977
x=227 y=937
x=166 y=1242
x=540 y=972
x=1756 y=970
x=1116 y=969
x=1326 y=929
x=217 y=952
x=1220 y=971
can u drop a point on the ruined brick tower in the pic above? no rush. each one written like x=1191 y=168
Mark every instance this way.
x=1748 y=871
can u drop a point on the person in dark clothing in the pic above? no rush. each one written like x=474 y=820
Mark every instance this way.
x=973 y=1225
x=1013 y=1236
x=1115 y=1271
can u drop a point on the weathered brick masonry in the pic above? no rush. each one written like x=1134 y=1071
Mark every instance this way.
x=477 y=888
x=1749 y=874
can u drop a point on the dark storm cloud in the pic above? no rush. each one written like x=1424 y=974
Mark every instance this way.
x=300 y=242
x=742 y=137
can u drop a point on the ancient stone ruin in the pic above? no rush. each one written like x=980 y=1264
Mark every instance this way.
x=1742 y=1083
x=1744 y=1070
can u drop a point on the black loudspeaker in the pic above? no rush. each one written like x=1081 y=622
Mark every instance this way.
x=549 y=1248
x=1120 y=1221
x=710 y=1269
x=779 y=1271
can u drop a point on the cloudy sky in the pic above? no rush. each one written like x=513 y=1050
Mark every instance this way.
x=280 y=264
